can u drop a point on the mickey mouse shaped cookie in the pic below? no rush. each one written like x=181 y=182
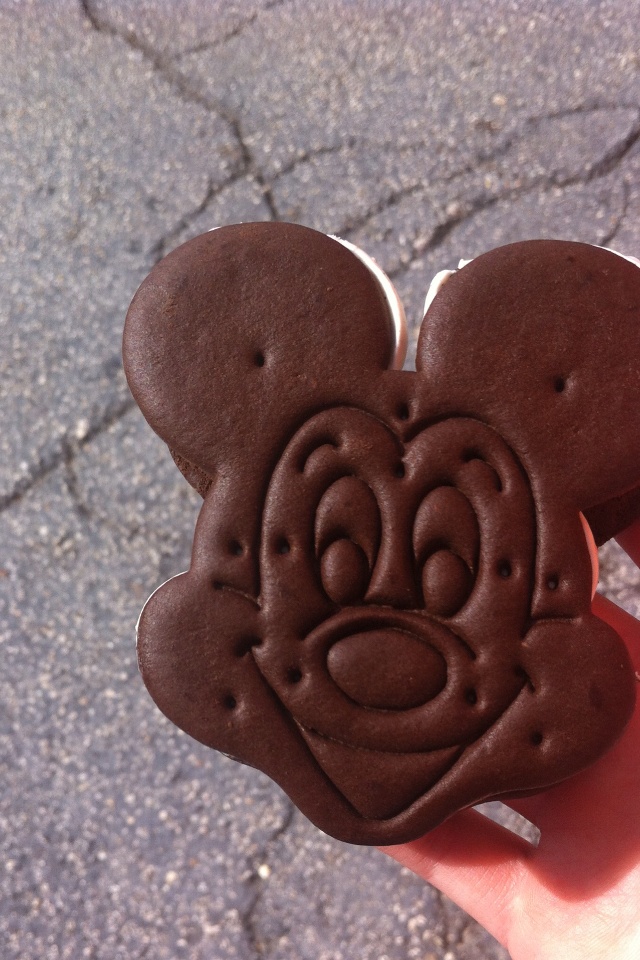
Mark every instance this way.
x=388 y=609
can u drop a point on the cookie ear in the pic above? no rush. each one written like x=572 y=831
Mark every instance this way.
x=540 y=339
x=243 y=314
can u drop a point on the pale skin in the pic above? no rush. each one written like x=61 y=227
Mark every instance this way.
x=577 y=894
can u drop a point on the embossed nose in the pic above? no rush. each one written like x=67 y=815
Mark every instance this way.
x=387 y=669
x=393 y=582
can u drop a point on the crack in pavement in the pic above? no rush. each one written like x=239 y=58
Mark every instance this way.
x=614 y=157
x=602 y=168
x=160 y=247
x=159 y=61
x=593 y=106
x=399 y=150
x=248 y=916
x=480 y=162
x=68 y=446
x=442 y=230
x=607 y=163
x=391 y=200
x=232 y=34
x=306 y=156
x=481 y=159
x=213 y=44
x=83 y=510
x=89 y=514
x=181 y=84
x=249 y=167
x=71 y=481
x=610 y=237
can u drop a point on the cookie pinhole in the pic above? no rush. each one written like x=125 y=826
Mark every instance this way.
x=229 y=702
x=294 y=675
x=504 y=569
x=399 y=471
x=259 y=358
x=403 y=412
x=283 y=547
x=559 y=384
x=471 y=696
x=471 y=454
x=536 y=738
x=235 y=548
x=217 y=584
x=553 y=581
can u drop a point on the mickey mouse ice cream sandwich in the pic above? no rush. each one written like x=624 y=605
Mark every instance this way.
x=388 y=609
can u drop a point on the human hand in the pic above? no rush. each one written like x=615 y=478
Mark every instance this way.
x=577 y=894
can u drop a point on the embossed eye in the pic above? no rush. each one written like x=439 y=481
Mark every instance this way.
x=446 y=518
x=348 y=508
x=347 y=537
x=446 y=583
x=446 y=540
x=344 y=569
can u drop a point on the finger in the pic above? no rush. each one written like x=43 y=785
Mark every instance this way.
x=629 y=540
x=475 y=862
x=536 y=809
x=622 y=622
x=533 y=808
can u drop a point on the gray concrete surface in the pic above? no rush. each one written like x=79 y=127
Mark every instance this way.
x=422 y=131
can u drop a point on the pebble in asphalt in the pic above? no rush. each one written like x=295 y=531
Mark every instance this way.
x=421 y=131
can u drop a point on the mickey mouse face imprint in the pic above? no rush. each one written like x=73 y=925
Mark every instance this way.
x=389 y=603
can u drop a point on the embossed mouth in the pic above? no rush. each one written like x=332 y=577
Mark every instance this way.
x=390 y=680
x=362 y=620
x=383 y=659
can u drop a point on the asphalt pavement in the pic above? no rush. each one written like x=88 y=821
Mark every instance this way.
x=424 y=132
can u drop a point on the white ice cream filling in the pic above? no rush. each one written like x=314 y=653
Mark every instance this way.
x=391 y=296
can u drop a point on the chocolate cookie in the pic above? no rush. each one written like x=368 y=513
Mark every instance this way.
x=388 y=609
